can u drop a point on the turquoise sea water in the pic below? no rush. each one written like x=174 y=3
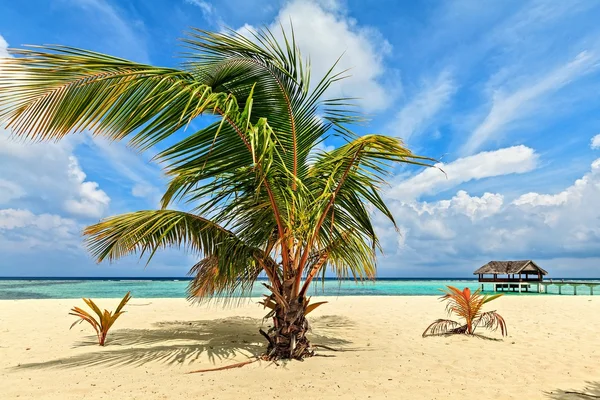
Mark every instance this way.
x=176 y=288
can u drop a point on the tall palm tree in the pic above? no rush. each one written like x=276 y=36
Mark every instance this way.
x=262 y=196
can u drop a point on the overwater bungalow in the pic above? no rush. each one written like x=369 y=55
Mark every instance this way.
x=511 y=274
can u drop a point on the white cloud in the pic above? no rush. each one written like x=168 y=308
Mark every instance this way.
x=466 y=230
x=3 y=48
x=524 y=100
x=573 y=195
x=323 y=33
x=17 y=218
x=49 y=177
x=536 y=199
x=23 y=231
x=511 y=160
x=473 y=207
x=595 y=144
x=89 y=201
x=419 y=112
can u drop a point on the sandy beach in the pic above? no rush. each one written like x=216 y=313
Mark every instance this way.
x=553 y=346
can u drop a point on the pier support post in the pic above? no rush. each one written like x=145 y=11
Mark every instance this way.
x=519 y=287
x=495 y=287
x=575 y=287
x=559 y=289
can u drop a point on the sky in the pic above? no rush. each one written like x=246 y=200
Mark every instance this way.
x=504 y=94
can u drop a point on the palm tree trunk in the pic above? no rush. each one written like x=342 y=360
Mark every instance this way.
x=287 y=338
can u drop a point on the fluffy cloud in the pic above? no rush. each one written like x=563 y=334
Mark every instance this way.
x=23 y=231
x=323 y=33
x=466 y=230
x=47 y=177
x=89 y=200
x=582 y=190
x=511 y=160
x=473 y=207
x=595 y=144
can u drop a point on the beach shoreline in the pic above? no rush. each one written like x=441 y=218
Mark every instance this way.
x=552 y=345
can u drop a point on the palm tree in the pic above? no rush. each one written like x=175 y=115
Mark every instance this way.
x=261 y=197
x=468 y=306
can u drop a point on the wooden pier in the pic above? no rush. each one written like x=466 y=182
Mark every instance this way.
x=540 y=286
x=523 y=276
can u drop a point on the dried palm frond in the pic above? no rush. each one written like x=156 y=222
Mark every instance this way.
x=442 y=327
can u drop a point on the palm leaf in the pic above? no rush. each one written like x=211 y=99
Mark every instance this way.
x=493 y=321
x=442 y=327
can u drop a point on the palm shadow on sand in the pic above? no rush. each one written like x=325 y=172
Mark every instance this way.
x=590 y=391
x=184 y=342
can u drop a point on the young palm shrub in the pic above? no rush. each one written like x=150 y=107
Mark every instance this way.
x=105 y=320
x=261 y=198
x=468 y=306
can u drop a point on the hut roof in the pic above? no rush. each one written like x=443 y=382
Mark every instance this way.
x=507 y=267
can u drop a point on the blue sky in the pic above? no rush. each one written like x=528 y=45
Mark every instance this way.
x=505 y=94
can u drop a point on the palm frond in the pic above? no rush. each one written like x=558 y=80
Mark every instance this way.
x=146 y=231
x=493 y=321
x=221 y=277
x=443 y=327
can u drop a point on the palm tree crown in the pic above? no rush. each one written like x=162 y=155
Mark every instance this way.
x=262 y=197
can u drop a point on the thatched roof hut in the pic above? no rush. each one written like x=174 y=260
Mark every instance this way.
x=511 y=268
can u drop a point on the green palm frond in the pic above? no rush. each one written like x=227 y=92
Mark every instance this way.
x=147 y=231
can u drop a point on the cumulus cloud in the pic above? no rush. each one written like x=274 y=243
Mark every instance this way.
x=88 y=201
x=47 y=177
x=324 y=32
x=595 y=144
x=572 y=196
x=466 y=230
x=473 y=207
x=23 y=231
x=510 y=160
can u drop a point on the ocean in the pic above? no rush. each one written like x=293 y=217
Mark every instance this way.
x=71 y=288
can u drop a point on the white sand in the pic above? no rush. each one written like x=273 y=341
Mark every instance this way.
x=553 y=345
